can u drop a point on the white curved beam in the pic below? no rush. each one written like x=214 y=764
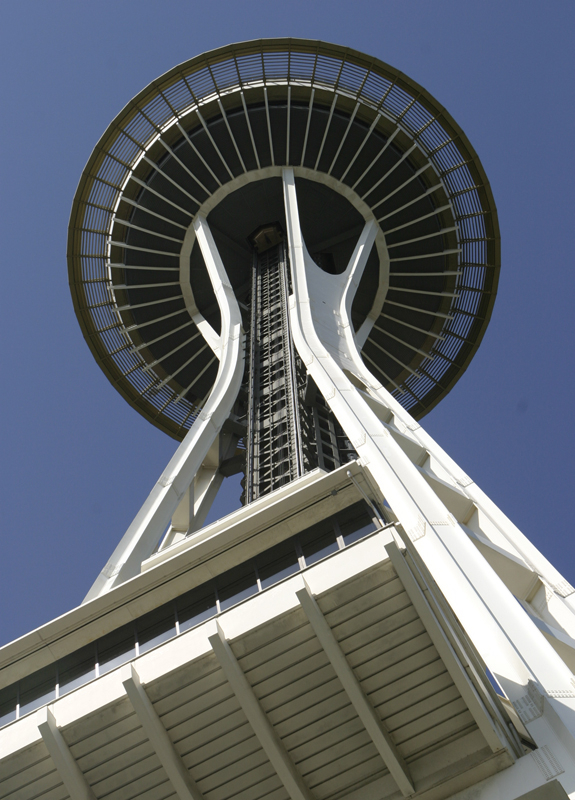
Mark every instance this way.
x=202 y=324
x=154 y=517
x=502 y=632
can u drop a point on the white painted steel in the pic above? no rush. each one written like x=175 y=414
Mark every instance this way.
x=355 y=587
x=438 y=507
x=264 y=730
x=376 y=729
x=490 y=725
x=180 y=778
x=153 y=518
x=70 y=773
x=509 y=642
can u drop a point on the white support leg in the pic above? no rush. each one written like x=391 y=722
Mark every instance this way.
x=183 y=516
x=340 y=339
x=497 y=527
x=154 y=517
x=508 y=641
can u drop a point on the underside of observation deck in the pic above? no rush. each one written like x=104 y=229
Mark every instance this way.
x=211 y=137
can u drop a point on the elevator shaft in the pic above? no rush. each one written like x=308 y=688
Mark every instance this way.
x=290 y=427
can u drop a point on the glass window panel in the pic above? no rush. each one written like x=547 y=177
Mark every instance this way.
x=155 y=627
x=77 y=668
x=37 y=689
x=196 y=606
x=318 y=541
x=116 y=648
x=355 y=522
x=8 y=704
x=277 y=563
x=236 y=584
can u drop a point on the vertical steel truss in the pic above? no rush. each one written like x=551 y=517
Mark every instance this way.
x=290 y=430
x=275 y=451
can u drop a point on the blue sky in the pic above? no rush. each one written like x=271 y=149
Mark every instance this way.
x=77 y=461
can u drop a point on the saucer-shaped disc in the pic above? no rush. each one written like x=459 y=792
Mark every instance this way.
x=211 y=136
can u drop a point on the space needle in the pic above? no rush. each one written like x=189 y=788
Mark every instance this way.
x=284 y=253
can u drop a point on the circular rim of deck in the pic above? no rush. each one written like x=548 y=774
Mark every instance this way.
x=381 y=94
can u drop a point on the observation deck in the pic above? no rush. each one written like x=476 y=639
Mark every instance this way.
x=210 y=138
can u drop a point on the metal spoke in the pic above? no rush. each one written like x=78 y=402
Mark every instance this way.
x=183 y=366
x=161 y=196
x=426 y=274
x=288 y=124
x=152 y=321
x=181 y=163
x=385 y=375
x=403 y=342
x=143 y=249
x=433 y=213
x=232 y=137
x=269 y=125
x=144 y=285
x=427 y=255
x=196 y=379
x=360 y=148
x=129 y=307
x=152 y=364
x=307 y=125
x=422 y=291
x=383 y=350
x=171 y=180
x=411 y=202
x=250 y=129
x=153 y=269
x=391 y=169
x=133 y=203
x=216 y=148
x=403 y=185
x=381 y=152
x=421 y=238
x=414 y=327
x=119 y=221
x=421 y=310
x=344 y=137
x=202 y=159
x=163 y=336
x=332 y=109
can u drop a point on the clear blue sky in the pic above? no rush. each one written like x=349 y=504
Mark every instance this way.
x=77 y=461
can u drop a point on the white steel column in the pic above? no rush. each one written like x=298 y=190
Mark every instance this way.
x=510 y=536
x=511 y=645
x=154 y=517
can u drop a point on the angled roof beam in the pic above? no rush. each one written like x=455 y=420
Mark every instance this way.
x=262 y=727
x=183 y=783
x=65 y=763
x=379 y=735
